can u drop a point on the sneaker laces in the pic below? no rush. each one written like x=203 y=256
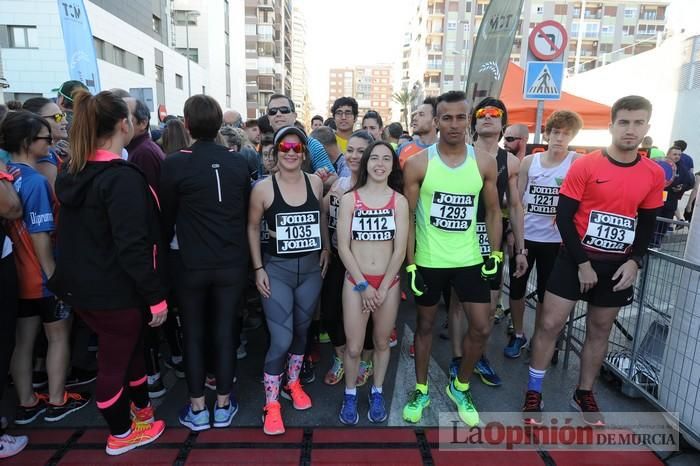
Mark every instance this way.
x=72 y=396
x=351 y=401
x=484 y=367
x=415 y=396
x=532 y=401
x=588 y=403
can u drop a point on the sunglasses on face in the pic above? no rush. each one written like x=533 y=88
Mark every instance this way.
x=295 y=147
x=58 y=117
x=488 y=112
x=512 y=138
x=274 y=110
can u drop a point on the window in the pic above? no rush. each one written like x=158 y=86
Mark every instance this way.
x=119 y=57
x=156 y=24
x=539 y=10
x=610 y=11
x=592 y=30
x=627 y=30
x=605 y=48
x=23 y=37
x=630 y=12
x=178 y=81
x=193 y=54
x=159 y=74
x=185 y=17
x=607 y=29
x=560 y=10
x=140 y=65
x=99 y=48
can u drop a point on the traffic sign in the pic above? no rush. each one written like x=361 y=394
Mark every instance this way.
x=548 y=40
x=543 y=80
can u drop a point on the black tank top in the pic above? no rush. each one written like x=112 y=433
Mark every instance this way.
x=501 y=185
x=297 y=228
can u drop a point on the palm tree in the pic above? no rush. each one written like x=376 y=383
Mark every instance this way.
x=403 y=98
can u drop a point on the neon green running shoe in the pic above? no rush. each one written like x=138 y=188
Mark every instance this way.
x=323 y=337
x=413 y=411
x=465 y=405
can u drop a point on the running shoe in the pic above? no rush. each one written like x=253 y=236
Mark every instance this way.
x=323 y=337
x=348 y=410
x=454 y=367
x=413 y=411
x=294 y=392
x=146 y=414
x=532 y=408
x=393 y=339
x=241 y=352
x=194 y=421
x=377 y=410
x=157 y=389
x=177 y=367
x=210 y=382
x=335 y=373
x=78 y=377
x=515 y=347
x=465 y=405
x=142 y=433
x=28 y=414
x=11 y=445
x=272 y=419
x=223 y=416
x=499 y=315
x=486 y=373
x=72 y=402
x=39 y=380
x=510 y=330
x=365 y=372
x=584 y=401
x=308 y=373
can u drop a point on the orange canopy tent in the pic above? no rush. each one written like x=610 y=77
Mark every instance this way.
x=594 y=115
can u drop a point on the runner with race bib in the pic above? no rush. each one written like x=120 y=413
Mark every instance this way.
x=292 y=268
x=606 y=213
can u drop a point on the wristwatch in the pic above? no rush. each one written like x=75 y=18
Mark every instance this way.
x=522 y=251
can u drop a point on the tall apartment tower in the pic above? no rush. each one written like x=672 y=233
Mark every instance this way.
x=300 y=93
x=371 y=86
x=268 y=52
x=439 y=36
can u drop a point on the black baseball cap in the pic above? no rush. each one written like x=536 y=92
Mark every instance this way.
x=68 y=88
x=282 y=132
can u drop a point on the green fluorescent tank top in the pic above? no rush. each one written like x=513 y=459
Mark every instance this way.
x=446 y=213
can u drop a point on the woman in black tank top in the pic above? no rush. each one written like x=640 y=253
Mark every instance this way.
x=290 y=274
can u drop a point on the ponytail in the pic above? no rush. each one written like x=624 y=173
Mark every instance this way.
x=94 y=118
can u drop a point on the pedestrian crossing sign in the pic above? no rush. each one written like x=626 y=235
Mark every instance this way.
x=543 y=80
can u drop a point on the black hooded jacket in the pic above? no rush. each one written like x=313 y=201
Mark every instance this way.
x=108 y=239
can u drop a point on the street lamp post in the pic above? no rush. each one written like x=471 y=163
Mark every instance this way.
x=194 y=14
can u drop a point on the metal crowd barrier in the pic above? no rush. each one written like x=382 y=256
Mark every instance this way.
x=675 y=238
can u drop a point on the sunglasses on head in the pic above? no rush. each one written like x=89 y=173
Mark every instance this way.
x=274 y=110
x=492 y=112
x=512 y=138
x=296 y=147
x=58 y=117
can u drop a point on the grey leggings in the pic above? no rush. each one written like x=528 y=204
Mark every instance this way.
x=295 y=285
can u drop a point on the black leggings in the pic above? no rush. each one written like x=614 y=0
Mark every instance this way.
x=8 y=316
x=210 y=297
x=332 y=305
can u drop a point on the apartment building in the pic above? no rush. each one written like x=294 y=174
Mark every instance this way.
x=371 y=86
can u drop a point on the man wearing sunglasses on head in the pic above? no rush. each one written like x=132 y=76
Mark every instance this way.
x=281 y=113
x=515 y=139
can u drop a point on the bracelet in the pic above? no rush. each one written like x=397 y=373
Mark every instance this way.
x=258 y=268
x=362 y=286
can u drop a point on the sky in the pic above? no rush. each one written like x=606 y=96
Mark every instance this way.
x=348 y=33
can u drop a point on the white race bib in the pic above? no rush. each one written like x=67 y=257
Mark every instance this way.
x=373 y=225
x=484 y=244
x=452 y=212
x=334 y=205
x=609 y=232
x=298 y=232
x=543 y=200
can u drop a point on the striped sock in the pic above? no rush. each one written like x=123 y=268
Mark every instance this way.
x=534 y=381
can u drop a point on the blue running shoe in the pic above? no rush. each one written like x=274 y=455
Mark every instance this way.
x=515 y=347
x=195 y=422
x=487 y=375
x=454 y=367
x=348 y=411
x=224 y=416
x=377 y=410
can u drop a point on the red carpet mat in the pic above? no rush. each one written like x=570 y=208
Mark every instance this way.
x=319 y=446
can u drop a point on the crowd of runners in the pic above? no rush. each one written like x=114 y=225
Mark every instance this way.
x=119 y=240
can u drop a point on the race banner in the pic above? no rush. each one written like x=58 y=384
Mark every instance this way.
x=80 y=49
x=491 y=52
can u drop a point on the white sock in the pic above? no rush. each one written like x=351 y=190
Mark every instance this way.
x=351 y=391
x=176 y=359
x=153 y=378
x=376 y=389
x=124 y=435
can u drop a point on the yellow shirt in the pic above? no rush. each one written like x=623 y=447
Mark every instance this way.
x=342 y=143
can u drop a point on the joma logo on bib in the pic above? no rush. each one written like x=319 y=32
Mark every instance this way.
x=298 y=232
x=452 y=212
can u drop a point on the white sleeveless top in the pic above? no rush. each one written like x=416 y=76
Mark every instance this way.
x=541 y=199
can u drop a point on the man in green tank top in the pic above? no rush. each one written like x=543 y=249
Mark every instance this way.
x=442 y=185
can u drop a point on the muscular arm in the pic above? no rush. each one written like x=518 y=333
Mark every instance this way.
x=494 y=222
x=515 y=205
x=414 y=171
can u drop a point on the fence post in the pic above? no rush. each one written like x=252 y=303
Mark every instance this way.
x=640 y=311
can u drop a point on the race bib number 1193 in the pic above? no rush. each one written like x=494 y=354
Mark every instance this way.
x=609 y=232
